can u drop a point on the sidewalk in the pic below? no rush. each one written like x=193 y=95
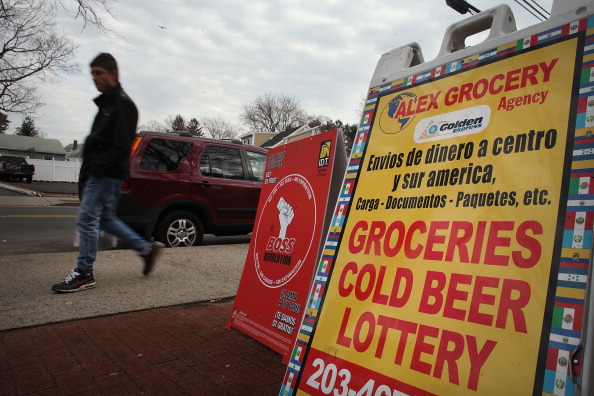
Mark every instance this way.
x=181 y=350
x=164 y=334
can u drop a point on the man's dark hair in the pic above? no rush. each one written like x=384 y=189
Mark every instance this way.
x=106 y=61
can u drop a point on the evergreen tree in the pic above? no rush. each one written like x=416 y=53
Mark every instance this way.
x=28 y=128
x=178 y=124
x=3 y=122
x=348 y=132
x=194 y=127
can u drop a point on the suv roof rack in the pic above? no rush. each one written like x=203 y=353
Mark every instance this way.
x=188 y=134
x=232 y=141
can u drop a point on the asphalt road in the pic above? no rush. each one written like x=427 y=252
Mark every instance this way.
x=51 y=229
x=37 y=229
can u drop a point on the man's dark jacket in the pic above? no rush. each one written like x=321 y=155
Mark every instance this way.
x=107 y=148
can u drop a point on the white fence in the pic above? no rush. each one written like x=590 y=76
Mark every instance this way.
x=52 y=170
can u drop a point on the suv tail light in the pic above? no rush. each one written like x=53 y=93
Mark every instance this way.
x=135 y=145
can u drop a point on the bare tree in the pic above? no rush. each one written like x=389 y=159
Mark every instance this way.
x=273 y=113
x=318 y=120
x=218 y=128
x=91 y=12
x=29 y=46
x=153 y=126
x=32 y=50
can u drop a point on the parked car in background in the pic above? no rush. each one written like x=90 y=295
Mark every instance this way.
x=13 y=167
x=181 y=187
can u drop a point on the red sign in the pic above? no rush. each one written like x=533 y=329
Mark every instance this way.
x=301 y=182
x=283 y=230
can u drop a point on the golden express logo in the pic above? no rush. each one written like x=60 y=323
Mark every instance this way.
x=325 y=150
x=395 y=116
x=456 y=123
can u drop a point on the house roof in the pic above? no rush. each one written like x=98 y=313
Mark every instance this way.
x=247 y=134
x=78 y=153
x=24 y=143
x=279 y=137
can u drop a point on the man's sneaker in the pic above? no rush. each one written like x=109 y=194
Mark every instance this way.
x=151 y=258
x=75 y=281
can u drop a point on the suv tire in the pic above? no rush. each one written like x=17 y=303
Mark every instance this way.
x=179 y=229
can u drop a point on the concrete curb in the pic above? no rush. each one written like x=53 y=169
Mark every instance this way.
x=20 y=190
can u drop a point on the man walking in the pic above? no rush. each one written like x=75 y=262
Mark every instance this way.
x=105 y=167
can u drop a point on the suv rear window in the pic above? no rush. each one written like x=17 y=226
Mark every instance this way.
x=221 y=162
x=165 y=154
x=13 y=160
x=257 y=162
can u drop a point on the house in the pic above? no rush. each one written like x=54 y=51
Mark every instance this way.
x=256 y=138
x=74 y=151
x=32 y=147
x=277 y=139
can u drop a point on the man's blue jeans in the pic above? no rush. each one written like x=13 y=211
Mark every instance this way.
x=98 y=212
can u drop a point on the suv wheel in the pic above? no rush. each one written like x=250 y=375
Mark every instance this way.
x=179 y=229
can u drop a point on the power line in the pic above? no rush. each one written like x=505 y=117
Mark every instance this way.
x=527 y=9
x=542 y=8
x=532 y=10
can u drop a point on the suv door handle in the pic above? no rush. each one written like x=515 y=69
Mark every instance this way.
x=203 y=183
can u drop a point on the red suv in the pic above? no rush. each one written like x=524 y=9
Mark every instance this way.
x=181 y=187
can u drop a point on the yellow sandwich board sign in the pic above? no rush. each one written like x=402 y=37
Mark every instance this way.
x=458 y=258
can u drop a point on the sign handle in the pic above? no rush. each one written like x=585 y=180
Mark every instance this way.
x=499 y=20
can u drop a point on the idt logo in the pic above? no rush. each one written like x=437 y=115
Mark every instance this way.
x=325 y=150
x=394 y=121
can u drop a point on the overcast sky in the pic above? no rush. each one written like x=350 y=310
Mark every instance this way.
x=203 y=58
